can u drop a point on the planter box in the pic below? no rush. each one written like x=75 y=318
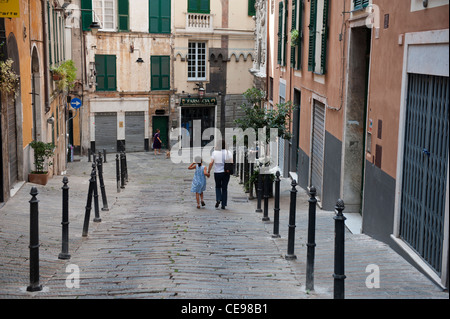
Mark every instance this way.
x=40 y=179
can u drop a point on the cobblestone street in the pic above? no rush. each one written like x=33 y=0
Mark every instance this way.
x=154 y=243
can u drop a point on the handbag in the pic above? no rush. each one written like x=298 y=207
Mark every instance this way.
x=228 y=167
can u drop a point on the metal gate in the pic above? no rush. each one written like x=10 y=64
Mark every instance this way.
x=318 y=136
x=106 y=132
x=425 y=167
x=135 y=131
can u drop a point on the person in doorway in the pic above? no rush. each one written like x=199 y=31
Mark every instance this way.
x=221 y=177
x=157 y=142
x=199 y=181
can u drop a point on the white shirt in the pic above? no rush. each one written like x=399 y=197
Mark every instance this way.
x=220 y=157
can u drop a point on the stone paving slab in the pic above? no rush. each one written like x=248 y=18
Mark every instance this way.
x=154 y=243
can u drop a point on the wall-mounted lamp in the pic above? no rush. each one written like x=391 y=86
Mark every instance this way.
x=201 y=92
x=425 y=3
x=139 y=60
x=132 y=49
x=94 y=26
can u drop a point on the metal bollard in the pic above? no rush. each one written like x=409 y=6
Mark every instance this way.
x=117 y=173
x=251 y=185
x=102 y=184
x=246 y=170
x=339 y=268
x=122 y=170
x=311 y=245
x=266 y=198
x=104 y=156
x=241 y=167
x=290 y=251
x=88 y=204
x=97 y=218
x=276 y=209
x=34 y=242
x=259 y=194
x=89 y=154
x=65 y=221
x=126 y=167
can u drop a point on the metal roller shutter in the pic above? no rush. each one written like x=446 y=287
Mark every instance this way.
x=318 y=136
x=106 y=132
x=135 y=131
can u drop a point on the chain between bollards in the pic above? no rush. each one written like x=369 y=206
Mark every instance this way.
x=291 y=233
x=339 y=251
x=311 y=245
x=276 y=209
x=34 y=242
x=65 y=220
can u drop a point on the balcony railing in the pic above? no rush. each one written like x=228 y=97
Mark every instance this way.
x=199 y=22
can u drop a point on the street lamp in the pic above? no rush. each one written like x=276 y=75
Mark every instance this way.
x=94 y=26
x=201 y=92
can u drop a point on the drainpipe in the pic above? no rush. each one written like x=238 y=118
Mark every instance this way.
x=46 y=60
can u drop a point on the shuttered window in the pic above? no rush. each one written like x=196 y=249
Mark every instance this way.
x=105 y=66
x=360 y=4
x=160 y=72
x=159 y=16
x=123 y=15
x=318 y=36
x=198 y=6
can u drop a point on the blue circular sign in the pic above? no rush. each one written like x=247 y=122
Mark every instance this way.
x=75 y=103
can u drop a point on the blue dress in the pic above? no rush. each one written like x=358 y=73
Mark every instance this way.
x=199 y=181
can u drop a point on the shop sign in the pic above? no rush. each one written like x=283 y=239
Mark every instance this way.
x=198 y=101
x=9 y=9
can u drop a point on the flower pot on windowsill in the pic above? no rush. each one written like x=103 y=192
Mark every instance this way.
x=38 y=178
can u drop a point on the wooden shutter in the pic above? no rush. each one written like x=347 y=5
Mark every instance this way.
x=198 y=6
x=86 y=16
x=312 y=36
x=154 y=16
x=165 y=16
x=280 y=31
x=251 y=8
x=123 y=15
x=160 y=72
x=323 y=54
x=105 y=66
x=204 y=6
x=101 y=72
x=156 y=72
x=111 y=72
x=300 y=31
x=293 y=27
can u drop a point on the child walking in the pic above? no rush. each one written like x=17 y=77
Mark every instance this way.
x=199 y=181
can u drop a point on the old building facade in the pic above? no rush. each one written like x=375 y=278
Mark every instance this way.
x=34 y=39
x=370 y=79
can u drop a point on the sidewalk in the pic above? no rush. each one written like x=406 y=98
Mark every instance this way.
x=154 y=243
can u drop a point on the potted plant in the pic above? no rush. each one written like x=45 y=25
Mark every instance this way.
x=64 y=75
x=42 y=152
x=294 y=37
x=8 y=78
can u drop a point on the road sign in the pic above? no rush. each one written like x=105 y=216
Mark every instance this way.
x=75 y=103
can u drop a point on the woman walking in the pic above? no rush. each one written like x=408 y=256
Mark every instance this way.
x=221 y=177
x=157 y=142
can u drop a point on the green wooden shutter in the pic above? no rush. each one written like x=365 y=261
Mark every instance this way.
x=312 y=36
x=165 y=16
x=204 y=6
x=323 y=54
x=86 y=14
x=154 y=16
x=280 y=31
x=198 y=6
x=300 y=31
x=293 y=27
x=156 y=72
x=123 y=15
x=285 y=30
x=110 y=61
x=100 y=68
x=251 y=8
x=165 y=72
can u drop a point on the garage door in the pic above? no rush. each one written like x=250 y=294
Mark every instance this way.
x=135 y=131
x=106 y=132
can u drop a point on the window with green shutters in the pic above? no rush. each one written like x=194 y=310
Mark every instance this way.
x=360 y=4
x=251 y=8
x=198 y=6
x=123 y=15
x=105 y=66
x=160 y=72
x=159 y=16
x=318 y=36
